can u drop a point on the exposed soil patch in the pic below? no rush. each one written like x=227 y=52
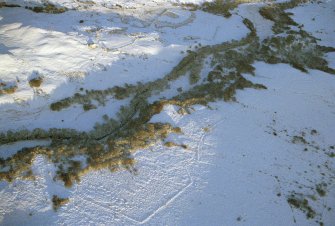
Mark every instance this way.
x=7 y=87
x=35 y=82
x=57 y=202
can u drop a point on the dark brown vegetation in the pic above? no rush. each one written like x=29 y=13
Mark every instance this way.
x=301 y=204
x=4 y=4
x=47 y=8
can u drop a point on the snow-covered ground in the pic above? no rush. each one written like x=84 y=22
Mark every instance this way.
x=244 y=159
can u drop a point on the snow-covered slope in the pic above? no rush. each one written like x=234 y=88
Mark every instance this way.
x=266 y=158
x=105 y=3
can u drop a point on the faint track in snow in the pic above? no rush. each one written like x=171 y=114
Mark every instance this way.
x=163 y=24
x=201 y=143
x=165 y=204
x=109 y=208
